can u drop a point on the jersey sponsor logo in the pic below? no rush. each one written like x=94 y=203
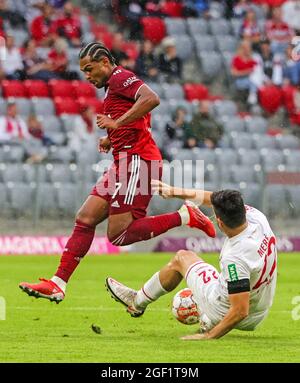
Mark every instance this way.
x=130 y=81
x=233 y=275
x=117 y=72
x=115 y=204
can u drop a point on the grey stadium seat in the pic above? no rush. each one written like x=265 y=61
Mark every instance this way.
x=46 y=198
x=225 y=108
x=58 y=138
x=2 y=106
x=21 y=196
x=236 y=25
x=287 y=142
x=256 y=124
x=173 y=91
x=68 y=121
x=294 y=199
x=67 y=198
x=162 y=109
x=205 y=43
x=272 y=158
x=177 y=103
x=51 y=123
x=241 y=140
x=244 y=173
x=220 y=27
x=233 y=124
x=211 y=65
x=60 y=154
x=226 y=157
x=292 y=157
x=226 y=43
x=157 y=88
x=24 y=106
x=85 y=24
x=159 y=122
x=252 y=194
x=19 y=35
x=12 y=173
x=249 y=157
x=207 y=155
x=3 y=197
x=13 y=153
x=184 y=47
x=62 y=173
x=261 y=141
x=158 y=205
x=275 y=199
x=197 y=26
x=175 y=26
x=43 y=106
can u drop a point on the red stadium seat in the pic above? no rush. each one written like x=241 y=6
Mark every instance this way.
x=172 y=8
x=36 y=88
x=61 y=88
x=66 y=105
x=195 y=92
x=288 y=93
x=98 y=29
x=131 y=49
x=154 y=29
x=270 y=98
x=83 y=89
x=97 y=104
x=13 y=88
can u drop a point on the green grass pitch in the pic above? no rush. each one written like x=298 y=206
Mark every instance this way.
x=36 y=330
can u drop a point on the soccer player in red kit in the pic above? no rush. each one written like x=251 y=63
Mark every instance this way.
x=123 y=193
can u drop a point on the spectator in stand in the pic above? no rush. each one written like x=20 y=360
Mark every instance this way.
x=241 y=8
x=58 y=4
x=58 y=61
x=291 y=69
x=12 y=67
x=132 y=11
x=12 y=126
x=291 y=14
x=242 y=67
x=195 y=8
x=169 y=63
x=43 y=27
x=35 y=67
x=68 y=26
x=116 y=50
x=250 y=29
x=14 y=18
x=177 y=127
x=30 y=9
x=36 y=130
x=147 y=62
x=271 y=63
x=278 y=32
x=85 y=128
x=204 y=128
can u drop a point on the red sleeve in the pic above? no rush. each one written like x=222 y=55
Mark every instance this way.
x=36 y=29
x=126 y=84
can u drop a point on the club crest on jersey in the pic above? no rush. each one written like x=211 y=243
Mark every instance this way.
x=130 y=80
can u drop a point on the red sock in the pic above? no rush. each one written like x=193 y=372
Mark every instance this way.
x=145 y=228
x=76 y=248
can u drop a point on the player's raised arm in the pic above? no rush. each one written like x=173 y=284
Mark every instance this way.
x=201 y=197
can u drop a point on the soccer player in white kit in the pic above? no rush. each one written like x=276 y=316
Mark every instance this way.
x=240 y=296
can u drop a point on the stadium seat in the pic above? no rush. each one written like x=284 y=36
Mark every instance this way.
x=11 y=173
x=233 y=124
x=67 y=198
x=261 y=141
x=154 y=29
x=294 y=199
x=13 y=88
x=288 y=94
x=252 y=194
x=163 y=109
x=68 y=121
x=244 y=173
x=225 y=108
x=226 y=157
x=197 y=26
x=256 y=124
x=270 y=98
x=287 y=142
x=43 y=106
x=179 y=103
x=276 y=200
x=3 y=197
x=20 y=36
x=36 y=88
x=131 y=49
x=226 y=43
x=249 y=157
x=62 y=173
x=204 y=43
x=73 y=56
x=207 y=155
x=13 y=153
x=211 y=64
x=159 y=205
x=236 y=25
x=271 y=159
x=24 y=106
x=21 y=197
x=62 y=88
x=184 y=47
x=195 y=92
x=173 y=91
x=60 y=154
x=172 y=8
x=220 y=27
x=66 y=105
x=94 y=102
x=2 y=106
x=46 y=198
x=157 y=88
x=51 y=124
x=175 y=26
x=292 y=157
x=241 y=140
x=84 y=89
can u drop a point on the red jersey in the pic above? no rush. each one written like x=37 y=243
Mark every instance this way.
x=134 y=138
x=241 y=64
x=41 y=28
x=278 y=31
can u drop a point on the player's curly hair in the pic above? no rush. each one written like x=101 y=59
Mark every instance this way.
x=96 y=51
x=229 y=207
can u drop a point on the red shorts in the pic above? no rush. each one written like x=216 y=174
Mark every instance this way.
x=126 y=186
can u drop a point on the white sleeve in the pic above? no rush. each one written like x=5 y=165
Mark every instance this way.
x=235 y=269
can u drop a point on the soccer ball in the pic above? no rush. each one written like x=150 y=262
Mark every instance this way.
x=184 y=307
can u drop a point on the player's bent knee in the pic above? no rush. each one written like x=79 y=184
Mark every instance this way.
x=85 y=218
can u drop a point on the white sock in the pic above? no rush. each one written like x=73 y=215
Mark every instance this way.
x=60 y=283
x=184 y=214
x=150 y=292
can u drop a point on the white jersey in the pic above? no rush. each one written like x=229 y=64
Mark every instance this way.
x=249 y=255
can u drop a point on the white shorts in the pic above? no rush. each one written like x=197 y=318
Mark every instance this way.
x=202 y=278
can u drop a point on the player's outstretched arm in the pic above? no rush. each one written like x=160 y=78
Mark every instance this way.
x=202 y=197
x=239 y=310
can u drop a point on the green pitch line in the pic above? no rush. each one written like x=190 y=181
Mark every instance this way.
x=36 y=330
